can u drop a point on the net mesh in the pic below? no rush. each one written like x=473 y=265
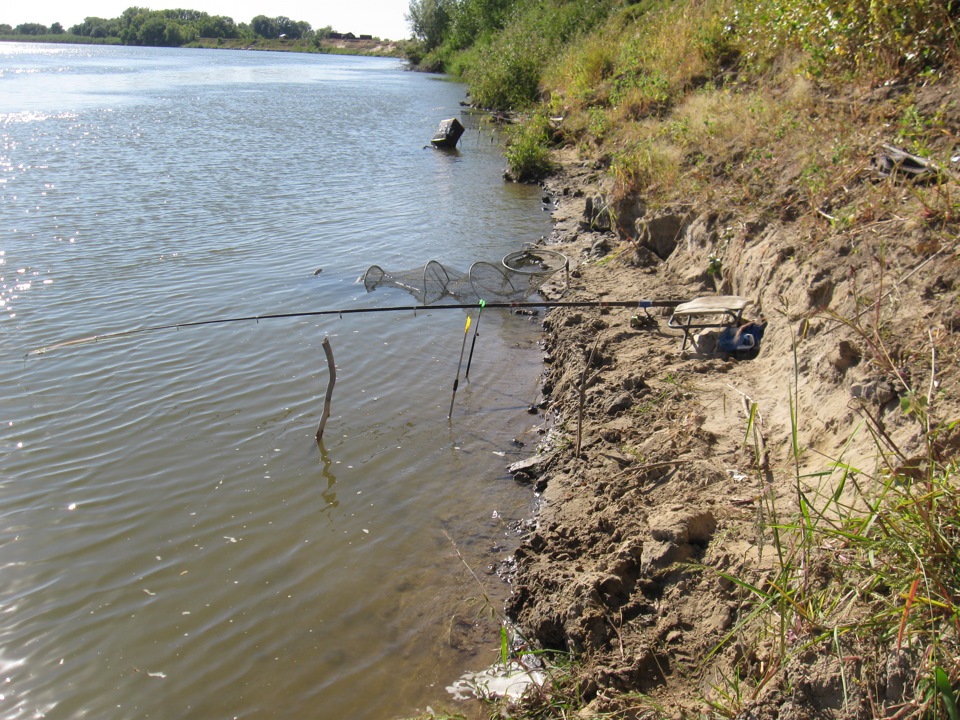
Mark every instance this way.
x=518 y=277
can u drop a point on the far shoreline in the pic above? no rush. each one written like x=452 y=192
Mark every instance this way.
x=371 y=48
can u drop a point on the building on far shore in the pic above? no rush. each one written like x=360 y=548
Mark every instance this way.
x=348 y=36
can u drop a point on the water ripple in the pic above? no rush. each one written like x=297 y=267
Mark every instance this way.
x=174 y=542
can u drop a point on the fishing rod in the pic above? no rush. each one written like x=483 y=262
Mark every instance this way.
x=456 y=382
x=641 y=304
x=473 y=344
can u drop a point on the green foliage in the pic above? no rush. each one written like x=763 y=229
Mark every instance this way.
x=276 y=27
x=217 y=26
x=430 y=21
x=31 y=29
x=96 y=27
x=63 y=39
x=641 y=61
x=528 y=152
x=158 y=28
x=877 y=39
x=473 y=22
x=506 y=69
x=505 y=75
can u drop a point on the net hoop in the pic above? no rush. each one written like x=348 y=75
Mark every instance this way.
x=517 y=277
x=535 y=262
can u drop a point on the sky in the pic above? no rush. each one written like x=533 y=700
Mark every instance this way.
x=380 y=18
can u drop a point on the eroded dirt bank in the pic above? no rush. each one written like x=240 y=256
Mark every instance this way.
x=685 y=459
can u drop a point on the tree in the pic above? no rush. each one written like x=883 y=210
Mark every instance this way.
x=176 y=34
x=151 y=32
x=57 y=29
x=475 y=18
x=264 y=27
x=299 y=29
x=284 y=26
x=31 y=29
x=96 y=28
x=217 y=26
x=429 y=20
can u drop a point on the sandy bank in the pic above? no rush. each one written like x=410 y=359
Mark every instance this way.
x=686 y=459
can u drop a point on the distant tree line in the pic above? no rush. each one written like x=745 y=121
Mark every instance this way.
x=173 y=28
x=32 y=29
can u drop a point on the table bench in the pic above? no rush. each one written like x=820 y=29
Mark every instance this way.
x=719 y=311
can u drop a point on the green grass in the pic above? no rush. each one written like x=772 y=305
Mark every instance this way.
x=528 y=150
x=61 y=38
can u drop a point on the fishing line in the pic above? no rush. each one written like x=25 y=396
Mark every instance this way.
x=642 y=304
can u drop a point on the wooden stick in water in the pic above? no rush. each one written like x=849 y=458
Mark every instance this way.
x=328 y=351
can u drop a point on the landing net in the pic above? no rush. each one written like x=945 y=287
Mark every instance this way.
x=519 y=276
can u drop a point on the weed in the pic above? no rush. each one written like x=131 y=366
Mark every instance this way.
x=726 y=697
x=645 y=167
x=598 y=123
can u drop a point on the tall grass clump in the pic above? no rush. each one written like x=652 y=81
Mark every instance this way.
x=642 y=60
x=506 y=74
x=665 y=57
x=619 y=86
x=528 y=150
x=645 y=166
x=505 y=69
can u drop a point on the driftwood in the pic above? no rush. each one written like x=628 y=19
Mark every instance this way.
x=328 y=351
x=893 y=161
x=529 y=468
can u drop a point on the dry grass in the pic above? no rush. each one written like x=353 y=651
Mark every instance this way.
x=654 y=88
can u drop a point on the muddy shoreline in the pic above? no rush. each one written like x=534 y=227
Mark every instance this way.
x=683 y=457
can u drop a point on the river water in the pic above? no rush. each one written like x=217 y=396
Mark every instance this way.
x=173 y=542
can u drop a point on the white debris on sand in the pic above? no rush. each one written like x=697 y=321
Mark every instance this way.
x=509 y=682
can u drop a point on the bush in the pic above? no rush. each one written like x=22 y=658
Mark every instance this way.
x=851 y=36
x=528 y=151
x=508 y=66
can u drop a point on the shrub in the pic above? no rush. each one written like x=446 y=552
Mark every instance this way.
x=528 y=151
x=875 y=39
x=508 y=66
